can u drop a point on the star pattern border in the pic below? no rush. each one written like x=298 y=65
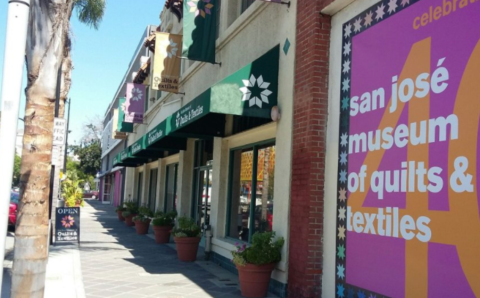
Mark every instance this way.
x=356 y=25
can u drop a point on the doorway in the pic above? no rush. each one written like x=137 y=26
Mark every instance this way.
x=203 y=194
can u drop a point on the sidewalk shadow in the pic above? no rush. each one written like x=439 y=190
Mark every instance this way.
x=154 y=258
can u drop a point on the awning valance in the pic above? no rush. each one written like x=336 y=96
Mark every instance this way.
x=127 y=159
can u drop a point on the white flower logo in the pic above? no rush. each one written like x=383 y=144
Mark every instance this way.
x=173 y=49
x=207 y=9
x=247 y=94
x=177 y=120
x=136 y=94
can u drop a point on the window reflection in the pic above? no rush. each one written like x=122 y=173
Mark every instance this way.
x=251 y=202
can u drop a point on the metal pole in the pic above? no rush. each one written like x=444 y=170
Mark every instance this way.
x=14 y=58
x=66 y=137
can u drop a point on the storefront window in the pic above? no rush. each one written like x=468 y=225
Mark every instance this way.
x=171 y=188
x=251 y=191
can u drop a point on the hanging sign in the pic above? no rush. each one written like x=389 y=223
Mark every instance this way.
x=408 y=217
x=67 y=224
x=199 y=30
x=166 y=68
x=135 y=103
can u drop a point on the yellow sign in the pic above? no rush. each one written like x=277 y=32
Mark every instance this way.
x=166 y=64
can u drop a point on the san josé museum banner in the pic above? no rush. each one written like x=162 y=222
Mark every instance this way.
x=408 y=218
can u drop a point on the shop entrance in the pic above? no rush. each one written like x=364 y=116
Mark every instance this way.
x=203 y=193
x=202 y=190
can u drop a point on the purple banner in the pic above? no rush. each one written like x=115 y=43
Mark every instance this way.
x=135 y=104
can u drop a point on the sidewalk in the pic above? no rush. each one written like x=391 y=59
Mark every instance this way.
x=116 y=262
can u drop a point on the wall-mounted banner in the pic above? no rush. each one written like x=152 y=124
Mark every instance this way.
x=123 y=126
x=135 y=103
x=115 y=133
x=199 y=30
x=166 y=68
x=408 y=220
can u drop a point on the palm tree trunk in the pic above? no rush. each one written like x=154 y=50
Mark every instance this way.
x=48 y=46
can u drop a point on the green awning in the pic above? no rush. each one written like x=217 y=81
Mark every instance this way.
x=159 y=139
x=251 y=92
x=139 y=149
x=127 y=159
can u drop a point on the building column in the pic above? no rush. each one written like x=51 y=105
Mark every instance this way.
x=310 y=110
x=128 y=194
x=184 y=182
x=160 y=195
x=219 y=187
x=145 y=184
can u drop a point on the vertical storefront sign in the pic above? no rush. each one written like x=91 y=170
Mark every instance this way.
x=408 y=221
x=166 y=68
x=199 y=30
x=135 y=103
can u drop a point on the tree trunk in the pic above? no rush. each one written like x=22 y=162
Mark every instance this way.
x=48 y=47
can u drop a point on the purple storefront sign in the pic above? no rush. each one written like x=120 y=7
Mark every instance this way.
x=135 y=104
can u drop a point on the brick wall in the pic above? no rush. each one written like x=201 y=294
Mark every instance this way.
x=309 y=135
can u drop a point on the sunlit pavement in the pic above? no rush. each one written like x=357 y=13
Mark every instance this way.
x=116 y=262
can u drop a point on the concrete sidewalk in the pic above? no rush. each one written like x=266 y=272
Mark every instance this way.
x=113 y=261
x=116 y=262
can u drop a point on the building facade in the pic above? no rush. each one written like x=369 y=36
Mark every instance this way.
x=112 y=178
x=323 y=150
x=207 y=155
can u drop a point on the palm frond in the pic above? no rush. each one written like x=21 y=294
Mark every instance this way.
x=90 y=12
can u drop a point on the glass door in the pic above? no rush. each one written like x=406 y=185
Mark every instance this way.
x=203 y=198
x=204 y=192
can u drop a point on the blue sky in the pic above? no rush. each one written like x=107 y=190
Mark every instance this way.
x=100 y=57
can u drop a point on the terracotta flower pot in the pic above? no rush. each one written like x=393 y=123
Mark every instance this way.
x=162 y=233
x=254 y=279
x=129 y=220
x=187 y=248
x=142 y=226
x=120 y=216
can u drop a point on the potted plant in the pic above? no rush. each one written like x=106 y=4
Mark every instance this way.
x=162 y=225
x=187 y=237
x=256 y=263
x=129 y=213
x=72 y=193
x=119 y=210
x=142 y=220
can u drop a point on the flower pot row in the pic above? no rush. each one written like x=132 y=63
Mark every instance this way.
x=254 y=278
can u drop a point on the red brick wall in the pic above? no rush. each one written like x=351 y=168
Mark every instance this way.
x=309 y=137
